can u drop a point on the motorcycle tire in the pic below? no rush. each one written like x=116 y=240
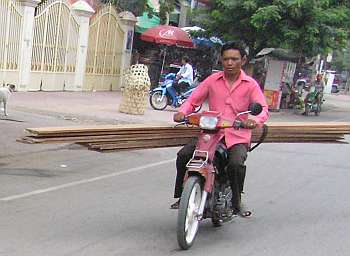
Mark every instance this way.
x=297 y=109
x=318 y=110
x=154 y=100
x=307 y=110
x=187 y=221
x=217 y=222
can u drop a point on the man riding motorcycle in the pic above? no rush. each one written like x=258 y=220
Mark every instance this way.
x=315 y=94
x=185 y=76
x=228 y=92
x=183 y=80
x=319 y=87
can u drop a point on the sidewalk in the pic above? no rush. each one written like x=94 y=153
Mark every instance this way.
x=103 y=107
x=97 y=106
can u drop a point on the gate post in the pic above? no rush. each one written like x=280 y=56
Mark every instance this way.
x=128 y=21
x=83 y=11
x=26 y=44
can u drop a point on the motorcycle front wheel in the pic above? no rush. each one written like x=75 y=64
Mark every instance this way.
x=158 y=101
x=187 y=219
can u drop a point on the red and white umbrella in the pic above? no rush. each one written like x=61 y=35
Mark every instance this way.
x=168 y=35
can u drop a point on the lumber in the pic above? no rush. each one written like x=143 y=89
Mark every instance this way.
x=108 y=138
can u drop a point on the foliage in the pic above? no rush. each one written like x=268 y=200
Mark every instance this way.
x=308 y=27
x=137 y=7
x=342 y=59
x=165 y=8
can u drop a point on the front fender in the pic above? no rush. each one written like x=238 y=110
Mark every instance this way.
x=161 y=89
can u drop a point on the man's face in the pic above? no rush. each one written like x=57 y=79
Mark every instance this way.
x=183 y=62
x=232 y=61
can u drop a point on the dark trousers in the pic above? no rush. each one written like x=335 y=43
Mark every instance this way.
x=236 y=169
x=181 y=87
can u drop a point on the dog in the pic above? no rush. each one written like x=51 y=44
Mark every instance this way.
x=5 y=93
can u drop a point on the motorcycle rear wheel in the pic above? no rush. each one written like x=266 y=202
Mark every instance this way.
x=187 y=219
x=157 y=102
x=307 y=110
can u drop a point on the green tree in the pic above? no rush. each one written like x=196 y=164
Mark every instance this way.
x=165 y=8
x=342 y=60
x=308 y=27
x=137 y=7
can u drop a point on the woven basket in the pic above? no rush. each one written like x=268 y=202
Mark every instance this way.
x=135 y=90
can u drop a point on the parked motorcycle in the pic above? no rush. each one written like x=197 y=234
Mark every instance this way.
x=298 y=101
x=207 y=192
x=161 y=97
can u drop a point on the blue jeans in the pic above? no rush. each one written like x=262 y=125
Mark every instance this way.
x=172 y=93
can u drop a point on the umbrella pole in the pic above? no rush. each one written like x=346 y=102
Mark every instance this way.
x=161 y=71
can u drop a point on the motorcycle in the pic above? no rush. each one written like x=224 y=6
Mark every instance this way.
x=313 y=103
x=161 y=96
x=207 y=192
x=298 y=101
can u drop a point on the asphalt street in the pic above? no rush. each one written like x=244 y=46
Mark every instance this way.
x=61 y=199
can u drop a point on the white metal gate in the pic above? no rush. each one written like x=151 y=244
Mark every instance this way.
x=55 y=43
x=104 y=51
x=11 y=18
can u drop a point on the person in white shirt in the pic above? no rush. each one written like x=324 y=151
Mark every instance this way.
x=184 y=76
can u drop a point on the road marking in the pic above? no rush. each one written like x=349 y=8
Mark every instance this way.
x=341 y=119
x=85 y=181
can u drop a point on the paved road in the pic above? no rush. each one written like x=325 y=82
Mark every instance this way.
x=66 y=200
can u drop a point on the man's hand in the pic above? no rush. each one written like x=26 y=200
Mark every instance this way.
x=249 y=124
x=179 y=117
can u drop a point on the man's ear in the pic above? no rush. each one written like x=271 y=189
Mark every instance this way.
x=244 y=60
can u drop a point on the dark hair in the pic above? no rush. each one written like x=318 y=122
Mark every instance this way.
x=234 y=45
x=186 y=59
x=11 y=86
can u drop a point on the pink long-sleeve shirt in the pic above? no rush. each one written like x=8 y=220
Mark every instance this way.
x=229 y=101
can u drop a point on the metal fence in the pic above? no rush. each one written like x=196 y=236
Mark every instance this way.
x=105 y=47
x=11 y=18
x=55 y=44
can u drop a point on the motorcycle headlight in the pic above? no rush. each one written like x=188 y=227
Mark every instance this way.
x=208 y=122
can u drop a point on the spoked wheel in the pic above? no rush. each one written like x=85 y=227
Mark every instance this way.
x=158 y=101
x=296 y=109
x=307 y=110
x=187 y=219
x=318 y=109
x=217 y=222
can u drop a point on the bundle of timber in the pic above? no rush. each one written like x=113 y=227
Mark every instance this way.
x=121 y=137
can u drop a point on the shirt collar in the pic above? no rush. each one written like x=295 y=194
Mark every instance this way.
x=243 y=76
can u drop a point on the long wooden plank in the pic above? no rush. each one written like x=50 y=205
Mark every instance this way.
x=129 y=128
x=100 y=128
x=152 y=144
x=117 y=137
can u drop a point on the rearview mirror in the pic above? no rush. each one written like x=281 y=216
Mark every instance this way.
x=255 y=109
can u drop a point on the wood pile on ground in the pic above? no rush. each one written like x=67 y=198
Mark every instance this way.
x=121 y=137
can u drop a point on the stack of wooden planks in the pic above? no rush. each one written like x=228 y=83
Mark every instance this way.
x=122 y=137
